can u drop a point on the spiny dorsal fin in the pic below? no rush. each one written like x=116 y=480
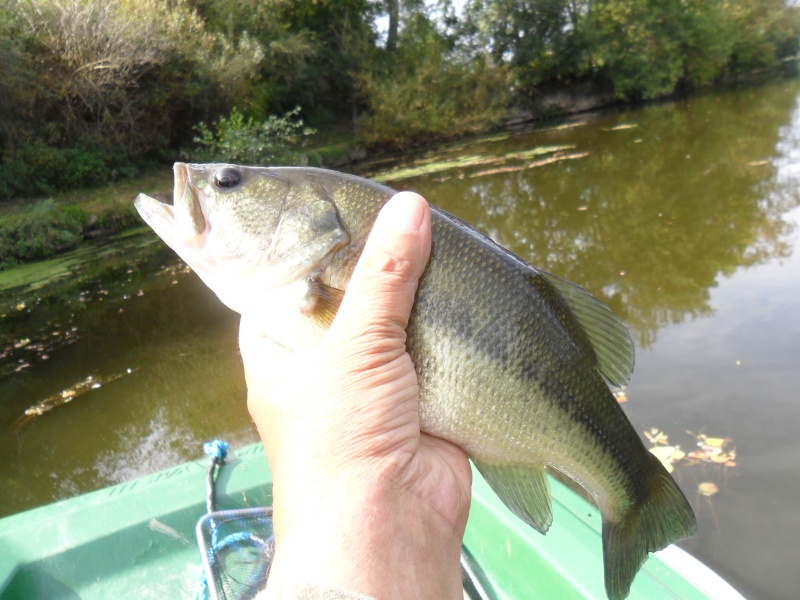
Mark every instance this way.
x=523 y=489
x=322 y=303
x=608 y=336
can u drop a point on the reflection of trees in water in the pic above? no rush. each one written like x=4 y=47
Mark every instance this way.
x=656 y=213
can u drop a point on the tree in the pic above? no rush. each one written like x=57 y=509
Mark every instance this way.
x=537 y=38
x=423 y=90
x=649 y=47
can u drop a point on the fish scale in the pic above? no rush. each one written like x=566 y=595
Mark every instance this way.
x=512 y=362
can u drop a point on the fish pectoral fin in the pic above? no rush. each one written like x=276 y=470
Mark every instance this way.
x=523 y=489
x=609 y=338
x=322 y=303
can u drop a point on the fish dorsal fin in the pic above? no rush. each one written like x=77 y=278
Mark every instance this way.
x=523 y=489
x=609 y=338
x=322 y=303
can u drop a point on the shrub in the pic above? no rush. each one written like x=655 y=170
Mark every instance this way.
x=37 y=169
x=46 y=229
x=426 y=93
x=238 y=140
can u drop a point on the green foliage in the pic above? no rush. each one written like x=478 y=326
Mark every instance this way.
x=44 y=230
x=343 y=40
x=425 y=94
x=90 y=89
x=538 y=38
x=650 y=47
x=111 y=219
x=235 y=139
x=37 y=169
x=644 y=48
x=767 y=31
x=49 y=227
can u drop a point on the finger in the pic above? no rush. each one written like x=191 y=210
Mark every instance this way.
x=381 y=291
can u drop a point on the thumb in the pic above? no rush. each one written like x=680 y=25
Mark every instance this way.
x=381 y=290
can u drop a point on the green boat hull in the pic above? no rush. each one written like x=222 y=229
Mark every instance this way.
x=137 y=540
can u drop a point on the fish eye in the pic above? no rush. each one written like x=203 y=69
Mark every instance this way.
x=227 y=177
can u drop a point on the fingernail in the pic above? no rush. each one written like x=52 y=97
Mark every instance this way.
x=405 y=212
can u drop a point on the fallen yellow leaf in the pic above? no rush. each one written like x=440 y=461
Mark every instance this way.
x=707 y=488
x=714 y=442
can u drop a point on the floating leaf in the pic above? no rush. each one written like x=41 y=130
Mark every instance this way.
x=709 y=450
x=713 y=442
x=720 y=458
x=439 y=164
x=668 y=455
x=707 y=488
x=621 y=127
x=656 y=436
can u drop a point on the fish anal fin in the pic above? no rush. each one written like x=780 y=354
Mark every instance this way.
x=610 y=340
x=322 y=303
x=663 y=518
x=523 y=488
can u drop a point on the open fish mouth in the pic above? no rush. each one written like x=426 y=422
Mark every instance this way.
x=184 y=219
x=181 y=171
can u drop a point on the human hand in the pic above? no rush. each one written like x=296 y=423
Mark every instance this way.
x=362 y=499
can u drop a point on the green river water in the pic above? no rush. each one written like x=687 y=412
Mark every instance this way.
x=683 y=216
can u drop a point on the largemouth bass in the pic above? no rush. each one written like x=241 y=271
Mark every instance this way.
x=512 y=362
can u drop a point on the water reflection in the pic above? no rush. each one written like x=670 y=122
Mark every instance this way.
x=655 y=213
x=685 y=220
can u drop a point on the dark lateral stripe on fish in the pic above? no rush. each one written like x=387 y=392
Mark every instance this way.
x=543 y=364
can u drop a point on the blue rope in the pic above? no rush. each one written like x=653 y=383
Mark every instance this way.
x=201 y=589
x=216 y=450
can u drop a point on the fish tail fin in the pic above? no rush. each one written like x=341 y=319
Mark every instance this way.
x=663 y=518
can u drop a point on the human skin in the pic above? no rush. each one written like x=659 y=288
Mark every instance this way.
x=362 y=500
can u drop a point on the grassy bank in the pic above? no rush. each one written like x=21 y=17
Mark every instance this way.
x=35 y=229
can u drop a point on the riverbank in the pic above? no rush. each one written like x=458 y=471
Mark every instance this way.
x=35 y=229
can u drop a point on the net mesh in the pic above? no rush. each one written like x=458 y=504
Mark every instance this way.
x=237 y=548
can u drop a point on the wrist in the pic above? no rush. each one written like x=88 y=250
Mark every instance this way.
x=369 y=538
